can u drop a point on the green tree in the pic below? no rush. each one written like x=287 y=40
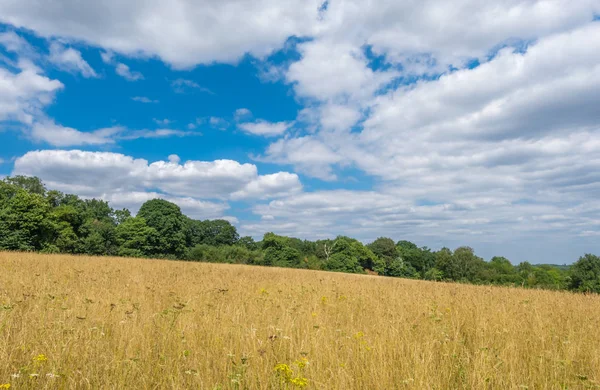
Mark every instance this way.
x=248 y=242
x=421 y=259
x=211 y=232
x=24 y=223
x=166 y=218
x=30 y=184
x=135 y=238
x=350 y=255
x=384 y=248
x=278 y=252
x=585 y=274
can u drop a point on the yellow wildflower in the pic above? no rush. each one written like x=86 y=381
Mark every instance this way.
x=5 y=386
x=301 y=363
x=40 y=358
x=299 y=382
x=284 y=370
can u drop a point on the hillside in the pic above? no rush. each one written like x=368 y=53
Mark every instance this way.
x=93 y=322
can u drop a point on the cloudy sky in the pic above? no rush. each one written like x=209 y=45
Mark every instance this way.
x=446 y=123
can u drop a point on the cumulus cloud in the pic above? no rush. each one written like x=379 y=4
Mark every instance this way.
x=70 y=60
x=268 y=186
x=25 y=93
x=98 y=173
x=479 y=155
x=265 y=128
x=205 y=31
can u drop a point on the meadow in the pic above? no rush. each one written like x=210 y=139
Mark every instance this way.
x=116 y=323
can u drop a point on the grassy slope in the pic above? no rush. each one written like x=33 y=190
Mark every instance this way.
x=127 y=323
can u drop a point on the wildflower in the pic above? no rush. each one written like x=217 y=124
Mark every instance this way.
x=301 y=363
x=283 y=370
x=323 y=300
x=40 y=358
x=359 y=335
x=17 y=375
x=299 y=382
x=263 y=291
x=5 y=386
x=314 y=314
x=52 y=376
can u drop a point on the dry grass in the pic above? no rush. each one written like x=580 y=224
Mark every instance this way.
x=124 y=323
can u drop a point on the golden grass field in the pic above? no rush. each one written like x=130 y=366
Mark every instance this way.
x=113 y=323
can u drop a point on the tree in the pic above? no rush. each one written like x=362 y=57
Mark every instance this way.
x=391 y=263
x=211 y=232
x=248 y=242
x=468 y=265
x=444 y=262
x=278 y=252
x=585 y=274
x=350 y=255
x=384 y=248
x=500 y=271
x=24 y=223
x=135 y=238
x=166 y=218
x=30 y=184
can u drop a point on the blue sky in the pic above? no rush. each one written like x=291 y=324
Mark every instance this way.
x=445 y=124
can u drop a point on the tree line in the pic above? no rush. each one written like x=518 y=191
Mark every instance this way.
x=33 y=218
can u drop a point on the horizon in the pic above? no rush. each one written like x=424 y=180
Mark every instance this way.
x=442 y=124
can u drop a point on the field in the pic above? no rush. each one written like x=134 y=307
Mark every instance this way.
x=113 y=323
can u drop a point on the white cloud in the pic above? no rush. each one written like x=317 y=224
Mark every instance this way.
x=308 y=154
x=16 y=44
x=242 y=114
x=268 y=186
x=332 y=70
x=129 y=75
x=156 y=133
x=107 y=57
x=144 y=99
x=265 y=128
x=121 y=69
x=70 y=60
x=218 y=123
x=57 y=135
x=481 y=156
x=435 y=32
x=162 y=122
x=24 y=94
x=184 y=86
x=61 y=136
x=182 y=32
x=98 y=173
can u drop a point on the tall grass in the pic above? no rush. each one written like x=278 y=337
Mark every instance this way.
x=113 y=323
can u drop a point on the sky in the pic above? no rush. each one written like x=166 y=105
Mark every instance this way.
x=444 y=123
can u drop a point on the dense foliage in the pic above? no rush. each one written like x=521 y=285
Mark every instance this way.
x=33 y=218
